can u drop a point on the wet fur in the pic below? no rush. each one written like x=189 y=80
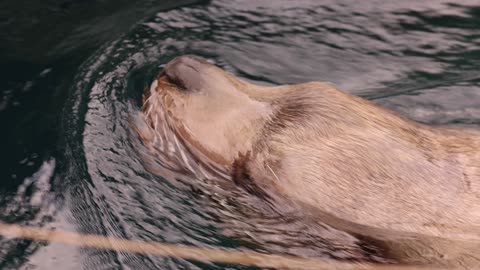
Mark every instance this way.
x=412 y=189
x=157 y=131
x=441 y=229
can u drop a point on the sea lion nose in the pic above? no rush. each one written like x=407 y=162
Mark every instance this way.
x=186 y=72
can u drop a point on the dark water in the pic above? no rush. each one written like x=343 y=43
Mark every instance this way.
x=72 y=74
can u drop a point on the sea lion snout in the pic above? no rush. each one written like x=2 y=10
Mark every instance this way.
x=186 y=72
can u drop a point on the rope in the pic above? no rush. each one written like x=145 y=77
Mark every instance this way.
x=249 y=258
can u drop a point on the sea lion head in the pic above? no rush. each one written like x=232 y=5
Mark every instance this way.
x=197 y=110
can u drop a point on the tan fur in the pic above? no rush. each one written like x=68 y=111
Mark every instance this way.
x=371 y=172
x=411 y=188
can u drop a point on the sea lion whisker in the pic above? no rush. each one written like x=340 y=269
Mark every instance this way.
x=149 y=111
x=202 y=171
x=161 y=141
x=156 y=123
x=165 y=133
x=155 y=129
x=186 y=161
x=274 y=174
x=154 y=140
x=149 y=97
x=182 y=154
x=169 y=84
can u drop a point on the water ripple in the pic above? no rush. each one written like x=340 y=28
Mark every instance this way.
x=421 y=59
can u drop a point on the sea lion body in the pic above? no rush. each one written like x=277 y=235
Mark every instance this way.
x=411 y=188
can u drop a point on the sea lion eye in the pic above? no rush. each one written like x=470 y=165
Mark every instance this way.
x=175 y=80
x=185 y=72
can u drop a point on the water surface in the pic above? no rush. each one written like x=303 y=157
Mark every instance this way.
x=69 y=157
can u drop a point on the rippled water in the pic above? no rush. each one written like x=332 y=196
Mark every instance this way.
x=419 y=58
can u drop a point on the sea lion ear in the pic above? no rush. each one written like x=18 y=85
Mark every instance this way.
x=185 y=72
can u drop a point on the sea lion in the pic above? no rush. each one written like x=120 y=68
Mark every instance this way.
x=412 y=189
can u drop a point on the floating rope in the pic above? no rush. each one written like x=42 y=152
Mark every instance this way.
x=249 y=258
